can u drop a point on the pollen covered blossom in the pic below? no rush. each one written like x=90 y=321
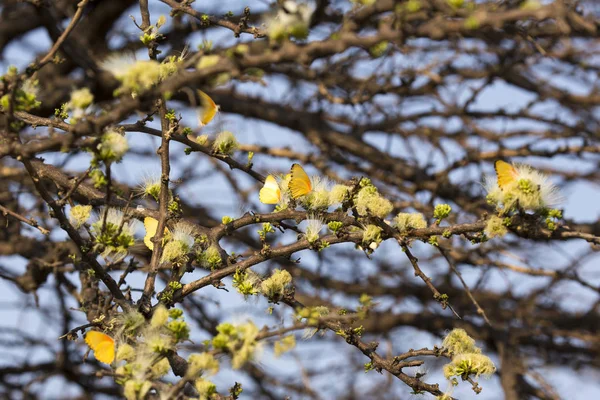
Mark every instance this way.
x=112 y=147
x=339 y=193
x=160 y=316
x=405 y=222
x=369 y=201
x=202 y=363
x=79 y=215
x=467 y=364
x=319 y=197
x=458 y=341
x=225 y=143
x=313 y=229
x=180 y=244
x=81 y=98
x=495 y=227
x=284 y=199
x=150 y=186
x=125 y=352
x=525 y=187
x=79 y=104
x=116 y=235
x=136 y=76
x=25 y=97
x=239 y=340
x=467 y=359
x=274 y=286
x=372 y=236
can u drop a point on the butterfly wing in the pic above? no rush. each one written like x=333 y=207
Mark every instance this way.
x=270 y=192
x=209 y=108
x=300 y=182
x=102 y=345
x=150 y=224
x=506 y=173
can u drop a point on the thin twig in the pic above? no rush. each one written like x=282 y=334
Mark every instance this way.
x=480 y=310
x=65 y=34
x=29 y=221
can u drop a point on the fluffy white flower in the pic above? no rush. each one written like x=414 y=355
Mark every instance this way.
x=184 y=233
x=180 y=244
x=313 y=229
x=115 y=217
x=112 y=147
x=116 y=235
x=150 y=185
x=31 y=87
x=118 y=64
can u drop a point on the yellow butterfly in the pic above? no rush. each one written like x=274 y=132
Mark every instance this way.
x=300 y=184
x=103 y=346
x=151 y=224
x=208 y=108
x=506 y=173
x=270 y=192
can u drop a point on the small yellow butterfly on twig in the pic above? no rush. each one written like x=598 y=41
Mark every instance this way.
x=300 y=184
x=102 y=345
x=270 y=192
x=506 y=173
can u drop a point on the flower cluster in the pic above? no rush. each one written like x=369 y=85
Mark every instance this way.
x=313 y=229
x=210 y=258
x=405 y=222
x=312 y=316
x=523 y=187
x=143 y=347
x=495 y=227
x=79 y=215
x=371 y=236
x=467 y=359
x=246 y=282
x=137 y=76
x=79 y=104
x=275 y=286
x=225 y=143
x=112 y=147
x=180 y=243
x=113 y=233
x=239 y=340
x=25 y=97
x=368 y=201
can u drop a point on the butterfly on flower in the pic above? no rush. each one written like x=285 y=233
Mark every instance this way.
x=208 y=109
x=300 y=184
x=506 y=173
x=102 y=345
x=521 y=185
